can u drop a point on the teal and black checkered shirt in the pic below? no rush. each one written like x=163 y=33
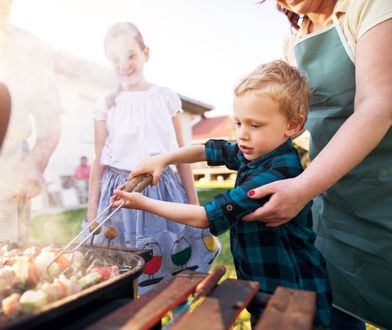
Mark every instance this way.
x=280 y=256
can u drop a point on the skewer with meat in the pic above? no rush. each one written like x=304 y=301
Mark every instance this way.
x=26 y=268
x=34 y=299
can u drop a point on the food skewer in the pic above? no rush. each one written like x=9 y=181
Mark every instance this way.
x=136 y=184
x=94 y=232
x=110 y=233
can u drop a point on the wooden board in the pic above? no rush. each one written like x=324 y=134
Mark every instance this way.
x=147 y=311
x=289 y=309
x=220 y=309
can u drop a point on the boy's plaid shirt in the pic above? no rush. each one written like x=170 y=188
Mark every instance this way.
x=283 y=255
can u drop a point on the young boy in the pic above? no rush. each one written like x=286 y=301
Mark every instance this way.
x=270 y=107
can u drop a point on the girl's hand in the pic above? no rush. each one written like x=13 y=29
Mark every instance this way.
x=286 y=201
x=153 y=165
x=132 y=200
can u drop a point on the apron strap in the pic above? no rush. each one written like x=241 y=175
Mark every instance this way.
x=350 y=52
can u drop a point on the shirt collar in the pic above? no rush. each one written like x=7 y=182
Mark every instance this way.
x=282 y=149
x=341 y=7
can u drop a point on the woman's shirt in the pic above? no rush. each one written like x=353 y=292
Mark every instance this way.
x=355 y=19
x=139 y=125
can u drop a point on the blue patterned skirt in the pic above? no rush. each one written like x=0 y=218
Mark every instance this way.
x=175 y=246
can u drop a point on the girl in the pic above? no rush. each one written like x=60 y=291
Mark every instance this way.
x=141 y=119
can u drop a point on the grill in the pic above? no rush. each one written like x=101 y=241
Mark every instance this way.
x=63 y=313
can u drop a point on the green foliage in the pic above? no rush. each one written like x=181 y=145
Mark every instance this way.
x=57 y=228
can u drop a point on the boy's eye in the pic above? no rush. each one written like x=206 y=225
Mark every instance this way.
x=255 y=125
x=237 y=124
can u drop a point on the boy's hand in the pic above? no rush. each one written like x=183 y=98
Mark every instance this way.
x=132 y=200
x=153 y=165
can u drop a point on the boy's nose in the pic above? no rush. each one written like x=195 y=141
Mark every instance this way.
x=243 y=134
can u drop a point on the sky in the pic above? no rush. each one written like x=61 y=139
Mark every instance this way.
x=198 y=48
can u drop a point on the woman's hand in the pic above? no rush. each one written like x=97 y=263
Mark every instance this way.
x=286 y=201
x=132 y=200
x=153 y=165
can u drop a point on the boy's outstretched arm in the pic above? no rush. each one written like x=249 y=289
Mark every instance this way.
x=156 y=164
x=187 y=214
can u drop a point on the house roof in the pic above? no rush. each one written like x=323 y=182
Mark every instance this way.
x=214 y=127
x=194 y=106
x=75 y=67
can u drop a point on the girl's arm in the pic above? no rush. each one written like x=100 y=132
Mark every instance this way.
x=355 y=139
x=155 y=164
x=187 y=214
x=100 y=135
x=185 y=170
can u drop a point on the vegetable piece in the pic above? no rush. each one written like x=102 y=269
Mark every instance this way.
x=90 y=279
x=7 y=279
x=11 y=305
x=32 y=300
x=21 y=269
x=70 y=285
x=92 y=228
x=63 y=262
x=32 y=275
x=110 y=232
x=54 y=291
x=107 y=272
x=43 y=260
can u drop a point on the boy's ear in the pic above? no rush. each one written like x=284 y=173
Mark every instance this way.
x=294 y=127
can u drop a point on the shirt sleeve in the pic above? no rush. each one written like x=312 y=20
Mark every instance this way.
x=173 y=101
x=101 y=108
x=288 y=50
x=364 y=15
x=230 y=207
x=222 y=152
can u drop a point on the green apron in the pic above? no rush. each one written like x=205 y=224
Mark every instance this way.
x=353 y=219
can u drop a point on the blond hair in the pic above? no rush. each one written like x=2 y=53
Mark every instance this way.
x=123 y=28
x=282 y=83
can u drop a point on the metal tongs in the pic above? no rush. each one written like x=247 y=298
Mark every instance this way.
x=136 y=184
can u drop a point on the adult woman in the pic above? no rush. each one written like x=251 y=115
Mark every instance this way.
x=341 y=44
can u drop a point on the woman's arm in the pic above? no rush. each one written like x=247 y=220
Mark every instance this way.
x=187 y=214
x=185 y=170
x=355 y=139
x=5 y=110
x=100 y=135
x=32 y=168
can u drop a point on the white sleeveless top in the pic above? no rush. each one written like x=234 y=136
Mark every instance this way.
x=139 y=125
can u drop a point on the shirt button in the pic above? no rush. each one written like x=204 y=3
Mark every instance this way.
x=229 y=207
